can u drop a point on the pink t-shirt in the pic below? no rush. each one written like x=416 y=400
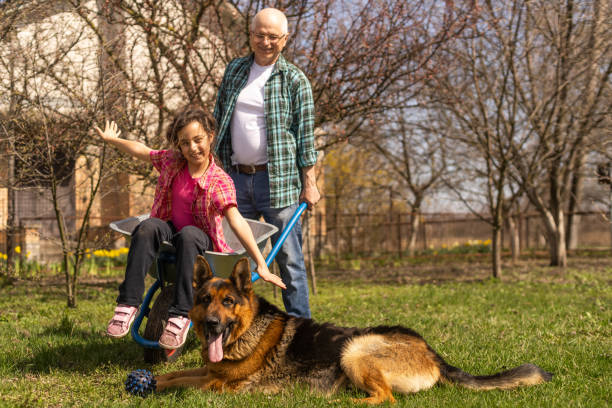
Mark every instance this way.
x=214 y=192
x=183 y=195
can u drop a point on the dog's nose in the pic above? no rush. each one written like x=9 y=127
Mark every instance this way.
x=212 y=322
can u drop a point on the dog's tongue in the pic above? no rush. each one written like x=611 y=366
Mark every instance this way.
x=215 y=349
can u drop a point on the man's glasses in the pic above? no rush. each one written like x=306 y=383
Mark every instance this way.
x=272 y=38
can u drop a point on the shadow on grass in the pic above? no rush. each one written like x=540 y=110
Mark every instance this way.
x=55 y=290
x=86 y=353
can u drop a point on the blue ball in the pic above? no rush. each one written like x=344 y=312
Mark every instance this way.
x=140 y=382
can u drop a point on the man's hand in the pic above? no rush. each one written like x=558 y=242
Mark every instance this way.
x=310 y=193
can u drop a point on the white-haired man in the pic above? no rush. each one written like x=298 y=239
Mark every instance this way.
x=265 y=120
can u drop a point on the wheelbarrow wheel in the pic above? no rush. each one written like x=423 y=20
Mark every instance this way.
x=158 y=317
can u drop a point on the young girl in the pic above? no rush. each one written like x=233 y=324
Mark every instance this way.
x=192 y=196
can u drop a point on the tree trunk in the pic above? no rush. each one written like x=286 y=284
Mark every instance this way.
x=496 y=254
x=573 y=220
x=555 y=233
x=11 y=219
x=11 y=213
x=415 y=218
x=515 y=239
x=70 y=293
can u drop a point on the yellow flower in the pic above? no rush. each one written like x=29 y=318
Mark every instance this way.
x=112 y=253
x=18 y=249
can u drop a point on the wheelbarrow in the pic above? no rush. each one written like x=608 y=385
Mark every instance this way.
x=163 y=272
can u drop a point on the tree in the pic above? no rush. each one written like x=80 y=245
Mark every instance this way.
x=46 y=158
x=475 y=104
x=562 y=78
x=527 y=95
x=81 y=62
x=53 y=106
x=414 y=156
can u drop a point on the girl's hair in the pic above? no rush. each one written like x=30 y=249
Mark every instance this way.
x=191 y=113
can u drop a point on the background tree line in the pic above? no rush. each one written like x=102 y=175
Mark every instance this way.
x=71 y=64
x=519 y=118
x=499 y=105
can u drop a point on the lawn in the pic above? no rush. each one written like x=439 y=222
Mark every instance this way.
x=557 y=319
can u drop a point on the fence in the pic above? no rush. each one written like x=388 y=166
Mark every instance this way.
x=364 y=233
x=389 y=233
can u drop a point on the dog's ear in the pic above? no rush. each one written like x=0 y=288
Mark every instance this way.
x=241 y=275
x=201 y=272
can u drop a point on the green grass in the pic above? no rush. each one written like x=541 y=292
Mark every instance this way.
x=54 y=356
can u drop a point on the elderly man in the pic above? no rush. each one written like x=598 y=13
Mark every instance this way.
x=265 y=119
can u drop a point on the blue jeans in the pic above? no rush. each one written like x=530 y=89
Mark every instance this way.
x=253 y=196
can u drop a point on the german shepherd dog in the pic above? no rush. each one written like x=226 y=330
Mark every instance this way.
x=249 y=344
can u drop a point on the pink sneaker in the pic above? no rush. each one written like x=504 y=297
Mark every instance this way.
x=175 y=333
x=120 y=324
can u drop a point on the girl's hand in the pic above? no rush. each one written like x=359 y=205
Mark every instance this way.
x=265 y=274
x=111 y=131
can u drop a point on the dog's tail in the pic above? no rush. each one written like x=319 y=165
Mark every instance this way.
x=526 y=374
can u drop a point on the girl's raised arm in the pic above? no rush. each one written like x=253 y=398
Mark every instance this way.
x=132 y=147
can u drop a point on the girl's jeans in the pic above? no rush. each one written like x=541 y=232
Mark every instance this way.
x=146 y=240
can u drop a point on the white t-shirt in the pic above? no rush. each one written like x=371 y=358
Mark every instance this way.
x=248 y=125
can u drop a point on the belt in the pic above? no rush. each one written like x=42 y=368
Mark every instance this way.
x=250 y=168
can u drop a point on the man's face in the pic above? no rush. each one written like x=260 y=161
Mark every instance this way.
x=267 y=41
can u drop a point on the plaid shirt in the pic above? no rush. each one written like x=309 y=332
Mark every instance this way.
x=214 y=193
x=289 y=108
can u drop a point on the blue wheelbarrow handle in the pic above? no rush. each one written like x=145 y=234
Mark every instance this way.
x=283 y=237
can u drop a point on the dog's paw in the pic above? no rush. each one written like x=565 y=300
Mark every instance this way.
x=140 y=382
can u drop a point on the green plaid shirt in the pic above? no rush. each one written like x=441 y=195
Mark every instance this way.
x=289 y=111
